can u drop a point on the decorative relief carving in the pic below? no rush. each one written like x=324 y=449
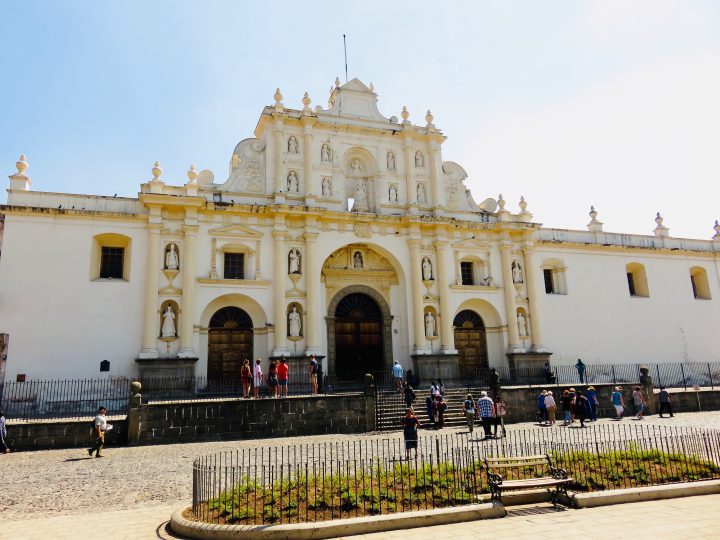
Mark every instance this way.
x=293 y=184
x=247 y=168
x=393 y=194
x=421 y=197
x=325 y=153
x=390 y=161
x=292 y=145
x=419 y=159
x=326 y=186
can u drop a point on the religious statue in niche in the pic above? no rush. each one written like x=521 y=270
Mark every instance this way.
x=390 y=161
x=292 y=145
x=357 y=260
x=421 y=198
x=419 y=159
x=453 y=199
x=426 y=269
x=294 y=259
x=325 y=152
x=517 y=273
x=294 y=323
x=361 y=204
x=172 y=261
x=293 y=182
x=355 y=169
x=522 y=328
x=168 y=325
x=429 y=325
x=392 y=194
x=326 y=186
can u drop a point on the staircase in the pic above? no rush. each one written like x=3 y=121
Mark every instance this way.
x=390 y=408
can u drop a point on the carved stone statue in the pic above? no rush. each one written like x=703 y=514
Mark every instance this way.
x=293 y=183
x=522 y=328
x=419 y=159
x=355 y=169
x=292 y=145
x=171 y=258
x=426 y=269
x=247 y=168
x=392 y=195
x=421 y=194
x=361 y=204
x=326 y=187
x=517 y=273
x=168 y=325
x=429 y=325
x=357 y=260
x=390 y=161
x=294 y=323
x=325 y=152
x=453 y=198
x=294 y=261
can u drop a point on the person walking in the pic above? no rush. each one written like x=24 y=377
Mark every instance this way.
x=487 y=413
x=397 y=373
x=639 y=402
x=542 y=409
x=246 y=378
x=439 y=407
x=4 y=448
x=429 y=409
x=494 y=382
x=441 y=388
x=591 y=395
x=257 y=377
x=665 y=402
x=411 y=379
x=410 y=425
x=547 y=372
x=565 y=400
x=469 y=410
x=571 y=395
x=408 y=394
x=100 y=426
x=313 y=369
x=581 y=370
x=500 y=412
x=283 y=370
x=582 y=407
x=618 y=402
x=272 y=380
x=434 y=390
x=550 y=406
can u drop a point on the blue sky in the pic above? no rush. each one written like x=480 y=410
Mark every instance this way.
x=611 y=103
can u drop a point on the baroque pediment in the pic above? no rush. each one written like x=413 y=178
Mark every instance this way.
x=236 y=231
x=356 y=100
x=247 y=168
x=472 y=244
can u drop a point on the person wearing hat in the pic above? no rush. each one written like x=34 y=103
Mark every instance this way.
x=591 y=395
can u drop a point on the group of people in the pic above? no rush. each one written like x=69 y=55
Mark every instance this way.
x=490 y=413
x=276 y=380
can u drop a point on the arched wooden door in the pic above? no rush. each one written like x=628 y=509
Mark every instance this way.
x=358 y=335
x=230 y=341
x=470 y=342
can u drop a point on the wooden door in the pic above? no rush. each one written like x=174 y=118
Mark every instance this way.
x=230 y=341
x=470 y=342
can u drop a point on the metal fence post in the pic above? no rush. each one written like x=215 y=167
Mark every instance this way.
x=712 y=387
x=682 y=370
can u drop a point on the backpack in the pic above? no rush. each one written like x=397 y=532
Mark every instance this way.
x=500 y=406
x=315 y=367
x=469 y=405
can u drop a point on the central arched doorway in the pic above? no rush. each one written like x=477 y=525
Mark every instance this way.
x=470 y=342
x=358 y=336
x=230 y=341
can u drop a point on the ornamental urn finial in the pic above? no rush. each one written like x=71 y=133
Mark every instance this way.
x=192 y=174
x=501 y=203
x=523 y=204
x=278 y=100
x=306 y=103
x=429 y=119
x=594 y=225
x=717 y=230
x=157 y=172
x=405 y=115
x=660 y=230
x=337 y=82
x=21 y=165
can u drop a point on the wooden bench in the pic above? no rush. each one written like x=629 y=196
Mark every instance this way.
x=553 y=478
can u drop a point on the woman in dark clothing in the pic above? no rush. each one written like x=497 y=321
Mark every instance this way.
x=410 y=425
x=429 y=408
x=582 y=407
x=409 y=395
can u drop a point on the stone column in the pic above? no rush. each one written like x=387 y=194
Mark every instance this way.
x=278 y=151
x=447 y=335
x=417 y=300
x=436 y=188
x=313 y=316
x=310 y=183
x=532 y=290
x=187 y=316
x=279 y=278
x=409 y=162
x=150 y=311
x=514 y=344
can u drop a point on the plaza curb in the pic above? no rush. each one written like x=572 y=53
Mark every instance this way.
x=335 y=528
x=652 y=493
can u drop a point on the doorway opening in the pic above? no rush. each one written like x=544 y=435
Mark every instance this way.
x=358 y=336
x=230 y=341
x=470 y=342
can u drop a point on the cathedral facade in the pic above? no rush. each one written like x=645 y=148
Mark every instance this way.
x=341 y=233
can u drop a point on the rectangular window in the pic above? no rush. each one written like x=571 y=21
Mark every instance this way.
x=631 y=284
x=234 y=266
x=466 y=273
x=111 y=262
x=694 y=286
x=548 y=275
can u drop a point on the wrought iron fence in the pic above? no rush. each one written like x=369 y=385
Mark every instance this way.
x=318 y=482
x=70 y=398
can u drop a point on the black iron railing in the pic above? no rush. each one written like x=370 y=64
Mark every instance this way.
x=319 y=482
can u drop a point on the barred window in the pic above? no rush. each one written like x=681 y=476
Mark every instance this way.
x=234 y=266
x=111 y=262
x=466 y=273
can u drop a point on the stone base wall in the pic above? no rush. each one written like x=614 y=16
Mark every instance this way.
x=253 y=418
x=41 y=435
x=687 y=401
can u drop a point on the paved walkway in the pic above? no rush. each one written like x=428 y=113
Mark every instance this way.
x=690 y=517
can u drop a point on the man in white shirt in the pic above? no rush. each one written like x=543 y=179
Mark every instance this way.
x=99 y=427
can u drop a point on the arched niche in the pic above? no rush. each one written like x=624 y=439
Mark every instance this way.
x=176 y=320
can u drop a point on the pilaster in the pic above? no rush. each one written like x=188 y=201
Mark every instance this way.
x=312 y=297
x=277 y=155
x=447 y=335
x=188 y=292
x=279 y=278
x=417 y=297
x=152 y=276
x=514 y=344
x=531 y=283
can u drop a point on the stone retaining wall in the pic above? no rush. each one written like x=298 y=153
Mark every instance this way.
x=40 y=435
x=253 y=418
